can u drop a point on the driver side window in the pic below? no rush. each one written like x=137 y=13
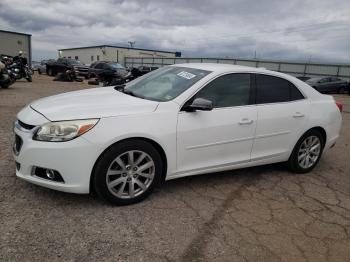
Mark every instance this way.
x=228 y=90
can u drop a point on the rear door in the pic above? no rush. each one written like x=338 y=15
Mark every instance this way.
x=282 y=114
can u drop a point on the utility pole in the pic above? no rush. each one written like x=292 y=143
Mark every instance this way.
x=132 y=44
x=310 y=59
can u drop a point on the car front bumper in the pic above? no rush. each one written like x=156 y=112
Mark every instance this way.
x=73 y=160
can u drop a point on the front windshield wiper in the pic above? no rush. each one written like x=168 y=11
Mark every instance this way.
x=121 y=88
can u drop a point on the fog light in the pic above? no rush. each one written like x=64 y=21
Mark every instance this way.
x=47 y=173
x=50 y=174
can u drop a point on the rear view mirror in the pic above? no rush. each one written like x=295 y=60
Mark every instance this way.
x=199 y=104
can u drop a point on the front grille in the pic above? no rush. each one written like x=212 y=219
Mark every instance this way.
x=18 y=144
x=25 y=126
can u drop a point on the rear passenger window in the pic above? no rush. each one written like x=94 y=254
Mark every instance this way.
x=295 y=93
x=272 y=89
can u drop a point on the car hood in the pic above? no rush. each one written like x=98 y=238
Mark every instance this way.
x=91 y=103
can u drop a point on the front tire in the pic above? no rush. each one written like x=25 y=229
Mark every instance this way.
x=127 y=172
x=307 y=152
x=29 y=78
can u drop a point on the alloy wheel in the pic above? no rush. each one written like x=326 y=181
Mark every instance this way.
x=130 y=174
x=309 y=152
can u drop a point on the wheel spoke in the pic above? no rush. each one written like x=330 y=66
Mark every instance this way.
x=302 y=156
x=116 y=182
x=140 y=158
x=131 y=189
x=307 y=163
x=114 y=172
x=145 y=166
x=121 y=189
x=140 y=184
x=149 y=176
x=131 y=157
x=315 y=149
x=120 y=163
x=314 y=141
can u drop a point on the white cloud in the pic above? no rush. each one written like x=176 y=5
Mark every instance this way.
x=274 y=29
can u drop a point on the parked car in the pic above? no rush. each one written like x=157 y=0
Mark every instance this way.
x=142 y=70
x=64 y=64
x=35 y=65
x=42 y=67
x=177 y=121
x=303 y=78
x=328 y=84
x=107 y=68
x=109 y=73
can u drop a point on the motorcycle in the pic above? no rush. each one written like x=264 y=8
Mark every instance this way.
x=19 y=71
x=5 y=79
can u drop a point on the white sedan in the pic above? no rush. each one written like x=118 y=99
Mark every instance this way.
x=177 y=121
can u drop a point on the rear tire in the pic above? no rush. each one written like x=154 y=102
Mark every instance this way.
x=341 y=90
x=50 y=72
x=29 y=78
x=127 y=172
x=307 y=152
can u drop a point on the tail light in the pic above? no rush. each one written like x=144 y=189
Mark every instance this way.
x=340 y=106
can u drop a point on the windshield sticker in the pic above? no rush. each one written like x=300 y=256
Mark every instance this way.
x=186 y=75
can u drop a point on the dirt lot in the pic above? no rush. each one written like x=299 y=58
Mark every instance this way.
x=256 y=214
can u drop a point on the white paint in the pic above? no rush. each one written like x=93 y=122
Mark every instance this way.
x=194 y=143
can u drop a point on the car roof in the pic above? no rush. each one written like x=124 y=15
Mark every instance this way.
x=218 y=69
x=223 y=68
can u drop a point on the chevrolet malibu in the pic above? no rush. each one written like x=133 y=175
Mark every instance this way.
x=177 y=121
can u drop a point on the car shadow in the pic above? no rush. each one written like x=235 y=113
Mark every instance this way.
x=166 y=189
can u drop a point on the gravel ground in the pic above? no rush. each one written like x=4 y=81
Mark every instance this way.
x=256 y=214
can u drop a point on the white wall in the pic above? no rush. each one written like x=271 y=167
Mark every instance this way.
x=110 y=54
x=11 y=43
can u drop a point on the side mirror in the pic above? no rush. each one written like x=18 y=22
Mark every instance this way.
x=199 y=104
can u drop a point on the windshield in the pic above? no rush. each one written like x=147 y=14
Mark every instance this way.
x=75 y=62
x=116 y=66
x=166 y=83
x=314 y=80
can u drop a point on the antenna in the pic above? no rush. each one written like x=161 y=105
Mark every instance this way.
x=131 y=43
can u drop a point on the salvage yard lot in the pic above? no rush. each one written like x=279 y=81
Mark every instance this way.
x=257 y=214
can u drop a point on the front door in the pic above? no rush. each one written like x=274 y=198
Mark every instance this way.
x=223 y=136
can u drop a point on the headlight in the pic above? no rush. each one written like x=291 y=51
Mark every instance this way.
x=63 y=131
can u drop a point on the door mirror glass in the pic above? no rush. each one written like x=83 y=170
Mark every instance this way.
x=199 y=104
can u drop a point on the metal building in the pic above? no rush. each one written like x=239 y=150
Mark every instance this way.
x=12 y=42
x=90 y=54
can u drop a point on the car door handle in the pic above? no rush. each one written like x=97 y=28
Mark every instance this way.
x=245 y=121
x=298 y=114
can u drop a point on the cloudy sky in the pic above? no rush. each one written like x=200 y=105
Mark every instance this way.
x=273 y=29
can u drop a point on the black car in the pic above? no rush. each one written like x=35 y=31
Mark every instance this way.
x=105 y=69
x=142 y=70
x=64 y=64
x=303 y=78
x=328 y=84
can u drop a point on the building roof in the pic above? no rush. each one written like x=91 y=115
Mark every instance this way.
x=123 y=47
x=12 y=32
